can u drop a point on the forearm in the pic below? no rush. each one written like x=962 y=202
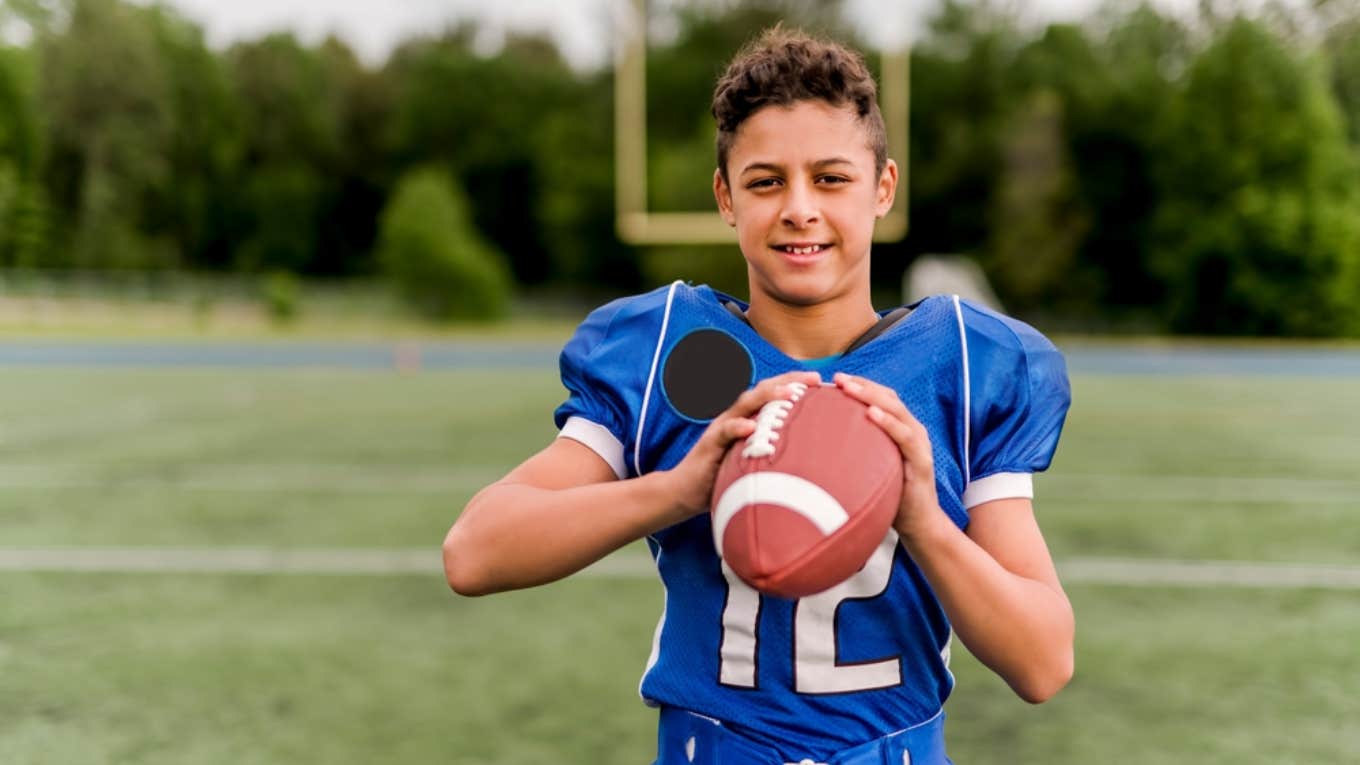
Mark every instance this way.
x=513 y=535
x=1022 y=628
x=562 y=509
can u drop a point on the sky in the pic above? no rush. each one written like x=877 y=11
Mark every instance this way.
x=372 y=27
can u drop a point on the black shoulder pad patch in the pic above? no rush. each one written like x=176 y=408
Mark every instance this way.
x=705 y=372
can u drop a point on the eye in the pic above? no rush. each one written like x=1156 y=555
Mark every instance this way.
x=763 y=183
x=832 y=179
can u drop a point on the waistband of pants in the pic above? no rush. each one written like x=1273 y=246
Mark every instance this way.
x=685 y=738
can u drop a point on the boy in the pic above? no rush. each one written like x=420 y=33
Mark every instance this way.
x=975 y=402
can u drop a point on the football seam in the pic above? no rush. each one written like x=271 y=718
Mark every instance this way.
x=723 y=512
x=777 y=444
x=853 y=519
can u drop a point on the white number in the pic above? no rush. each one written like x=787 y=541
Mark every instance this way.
x=741 y=613
x=816 y=669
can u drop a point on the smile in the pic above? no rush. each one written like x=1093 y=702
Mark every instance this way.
x=811 y=249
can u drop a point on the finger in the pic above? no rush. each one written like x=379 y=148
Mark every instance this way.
x=723 y=431
x=910 y=436
x=735 y=428
x=871 y=393
x=770 y=389
x=789 y=378
x=736 y=422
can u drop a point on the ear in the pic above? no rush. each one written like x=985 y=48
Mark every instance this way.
x=723 y=193
x=887 y=189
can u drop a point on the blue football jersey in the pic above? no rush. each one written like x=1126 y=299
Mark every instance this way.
x=870 y=656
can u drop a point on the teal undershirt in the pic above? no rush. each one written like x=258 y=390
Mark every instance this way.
x=820 y=365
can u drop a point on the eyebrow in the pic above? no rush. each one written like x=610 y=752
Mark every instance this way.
x=777 y=168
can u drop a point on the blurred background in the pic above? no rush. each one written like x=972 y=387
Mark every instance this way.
x=282 y=285
x=1155 y=167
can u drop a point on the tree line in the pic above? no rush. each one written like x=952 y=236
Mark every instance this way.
x=1137 y=168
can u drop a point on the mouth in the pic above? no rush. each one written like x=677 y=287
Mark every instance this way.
x=802 y=252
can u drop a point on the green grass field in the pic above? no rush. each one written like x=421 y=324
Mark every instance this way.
x=289 y=668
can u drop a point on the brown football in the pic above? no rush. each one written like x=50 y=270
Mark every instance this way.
x=799 y=506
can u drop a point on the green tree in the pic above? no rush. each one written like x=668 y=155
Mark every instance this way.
x=1037 y=221
x=486 y=118
x=1114 y=147
x=291 y=122
x=1345 y=52
x=362 y=173
x=19 y=137
x=574 y=157
x=1258 y=222
x=1112 y=80
x=104 y=93
x=1040 y=217
x=961 y=97
x=202 y=149
x=1341 y=42
x=23 y=230
x=433 y=254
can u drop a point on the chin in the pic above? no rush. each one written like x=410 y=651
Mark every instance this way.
x=803 y=299
x=802 y=295
x=805 y=289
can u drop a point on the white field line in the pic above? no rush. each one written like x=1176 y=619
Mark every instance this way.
x=1185 y=573
x=627 y=565
x=1244 y=490
x=337 y=478
x=208 y=560
x=327 y=478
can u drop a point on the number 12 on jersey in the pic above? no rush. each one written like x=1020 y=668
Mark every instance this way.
x=815 y=668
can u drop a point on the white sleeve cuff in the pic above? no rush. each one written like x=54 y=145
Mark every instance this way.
x=600 y=441
x=998 y=486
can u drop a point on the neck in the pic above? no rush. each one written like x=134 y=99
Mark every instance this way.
x=810 y=331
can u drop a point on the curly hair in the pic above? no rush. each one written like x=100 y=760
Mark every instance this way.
x=782 y=67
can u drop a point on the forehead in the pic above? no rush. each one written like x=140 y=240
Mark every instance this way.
x=805 y=131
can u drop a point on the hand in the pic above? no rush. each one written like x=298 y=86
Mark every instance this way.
x=691 y=481
x=920 y=508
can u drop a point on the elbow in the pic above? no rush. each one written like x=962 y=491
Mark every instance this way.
x=1045 y=681
x=462 y=569
x=1049 y=669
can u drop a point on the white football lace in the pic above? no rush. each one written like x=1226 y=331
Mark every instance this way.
x=768 y=422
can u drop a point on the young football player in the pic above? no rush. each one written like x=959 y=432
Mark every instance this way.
x=660 y=384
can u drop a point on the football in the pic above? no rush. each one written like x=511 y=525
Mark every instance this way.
x=799 y=505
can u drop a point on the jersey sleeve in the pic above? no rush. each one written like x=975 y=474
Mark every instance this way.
x=601 y=371
x=1018 y=400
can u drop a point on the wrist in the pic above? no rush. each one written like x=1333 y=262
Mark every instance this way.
x=924 y=530
x=662 y=491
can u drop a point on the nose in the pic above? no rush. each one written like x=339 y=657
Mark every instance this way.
x=800 y=206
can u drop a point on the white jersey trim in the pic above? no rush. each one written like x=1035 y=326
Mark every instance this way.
x=598 y=438
x=651 y=378
x=656 y=636
x=967 y=396
x=998 y=486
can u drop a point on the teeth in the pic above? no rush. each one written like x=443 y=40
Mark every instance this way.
x=804 y=250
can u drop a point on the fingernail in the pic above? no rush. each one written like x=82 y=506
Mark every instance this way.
x=852 y=386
